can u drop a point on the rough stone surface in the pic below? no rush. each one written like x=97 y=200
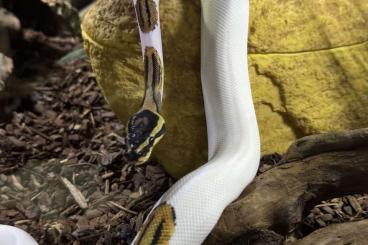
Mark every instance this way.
x=307 y=64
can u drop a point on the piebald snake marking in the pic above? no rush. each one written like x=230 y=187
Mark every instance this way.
x=146 y=127
x=188 y=211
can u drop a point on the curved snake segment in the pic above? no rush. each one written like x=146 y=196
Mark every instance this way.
x=147 y=15
x=233 y=139
x=159 y=227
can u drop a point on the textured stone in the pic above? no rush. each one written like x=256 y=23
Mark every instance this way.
x=308 y=64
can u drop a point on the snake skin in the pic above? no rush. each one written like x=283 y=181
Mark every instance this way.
x=198 y=199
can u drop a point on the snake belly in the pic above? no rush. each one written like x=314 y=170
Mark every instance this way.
x=189 y=210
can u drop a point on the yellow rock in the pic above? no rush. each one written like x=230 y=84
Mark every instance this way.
x=308 y=64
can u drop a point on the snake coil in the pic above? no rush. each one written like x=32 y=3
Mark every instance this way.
x=188 y=211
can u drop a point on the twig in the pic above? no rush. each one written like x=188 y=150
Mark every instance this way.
x=16 y=183
x=35 y=196
x=39 y=133
x=122 y=208
x=75 y=192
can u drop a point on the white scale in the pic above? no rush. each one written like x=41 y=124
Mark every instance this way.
x=10 y=235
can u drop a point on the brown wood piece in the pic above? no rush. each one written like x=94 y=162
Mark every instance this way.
x=276 y=199
x=345 y=233
x=328 y=142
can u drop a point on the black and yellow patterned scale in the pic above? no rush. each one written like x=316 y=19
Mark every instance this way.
x=147 y=15
x=159 y=227
x=147 y=126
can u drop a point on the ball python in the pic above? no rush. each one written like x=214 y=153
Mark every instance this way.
x=189 y=210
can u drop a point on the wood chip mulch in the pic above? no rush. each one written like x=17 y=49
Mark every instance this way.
x=337 y=210
x=63 y=177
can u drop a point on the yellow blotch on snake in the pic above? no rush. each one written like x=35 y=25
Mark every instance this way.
x=159 y=228
x=147 y=15
x=153 y=77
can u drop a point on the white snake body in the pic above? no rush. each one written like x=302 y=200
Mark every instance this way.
x=199 y=198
